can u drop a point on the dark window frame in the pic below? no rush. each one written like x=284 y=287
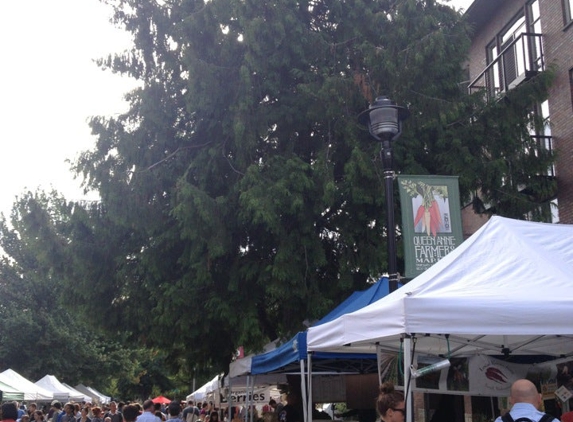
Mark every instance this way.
x=567 y=12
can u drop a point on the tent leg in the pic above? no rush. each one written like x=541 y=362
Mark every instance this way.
x=310 y=406
x=303 y=390
x=408 y=396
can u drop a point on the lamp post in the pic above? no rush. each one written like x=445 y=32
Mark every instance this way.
x=384 y=120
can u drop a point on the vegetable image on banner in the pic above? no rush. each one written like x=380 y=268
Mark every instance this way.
x=431 y=220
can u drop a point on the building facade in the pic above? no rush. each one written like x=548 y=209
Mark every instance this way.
x=512 y=41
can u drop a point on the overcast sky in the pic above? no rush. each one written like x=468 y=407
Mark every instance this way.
x=50 y=87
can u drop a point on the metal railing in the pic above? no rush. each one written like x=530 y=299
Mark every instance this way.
x=521 y=59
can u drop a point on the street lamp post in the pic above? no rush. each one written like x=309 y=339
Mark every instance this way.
x=384 y=120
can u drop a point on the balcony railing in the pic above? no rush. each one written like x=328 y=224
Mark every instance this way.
x=520 y=59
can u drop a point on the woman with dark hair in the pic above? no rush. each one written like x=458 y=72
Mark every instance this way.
x=390 y=404
x=38 y=416
x=84 y=415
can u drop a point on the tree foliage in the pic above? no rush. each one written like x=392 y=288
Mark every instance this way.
x=239 y=196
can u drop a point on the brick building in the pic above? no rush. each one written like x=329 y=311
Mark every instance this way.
x=512 y=41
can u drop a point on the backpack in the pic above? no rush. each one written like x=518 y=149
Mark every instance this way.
x=508 y=418
x=193 y=415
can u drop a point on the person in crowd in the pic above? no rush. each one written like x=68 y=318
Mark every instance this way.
x=25 y=418
x=9 y=412
x=130 y=413
x=292 y=411
x=21 y=409
x=174 y=412
x=213 y=416
x=204 y=411
x=159 y=412
x=97 y=414
x=191 y=412
x=69 y=414
x=78 y=410
x=114 y=413
x=525 y=401
x=38 y=416
x=32 y=407
x=55 y=409
x=148 y=414
x=84 y=415
x=390 y=404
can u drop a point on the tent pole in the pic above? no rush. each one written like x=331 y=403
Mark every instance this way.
x=230 y=402
x=408 y=396
x=309 y=377
x=303 y=390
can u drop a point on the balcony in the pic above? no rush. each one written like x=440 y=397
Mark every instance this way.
x=520 y=59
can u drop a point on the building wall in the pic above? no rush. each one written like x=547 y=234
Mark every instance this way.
x=558 y=50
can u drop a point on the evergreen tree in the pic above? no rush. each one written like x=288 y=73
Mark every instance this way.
x=239 y=196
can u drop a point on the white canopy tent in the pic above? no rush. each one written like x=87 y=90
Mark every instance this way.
x=94 y=394
x=103 y=398
x=205 y=390
x=508 y=289
x=31 y=391
x=10 y=393
x=87 y=398
x=60 y=391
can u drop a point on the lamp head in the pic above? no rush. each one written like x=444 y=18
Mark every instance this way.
x=384 y=118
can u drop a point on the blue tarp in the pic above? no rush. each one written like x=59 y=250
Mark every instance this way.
x=295 y=350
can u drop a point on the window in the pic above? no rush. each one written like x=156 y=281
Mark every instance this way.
x=515 y=51
x=568 y=11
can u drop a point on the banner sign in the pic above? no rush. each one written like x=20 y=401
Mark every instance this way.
x=431 y=220
x=241 y=396
x=478 y=375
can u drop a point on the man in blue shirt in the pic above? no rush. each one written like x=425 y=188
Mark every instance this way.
x=526 y=401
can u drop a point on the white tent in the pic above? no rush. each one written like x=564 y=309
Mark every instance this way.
x=508 y=289
x=205 y=390
x=103 y=398
x=60 y=392
x=10 y=393
x=86 y=397
x=96 y=395
x=31 y=391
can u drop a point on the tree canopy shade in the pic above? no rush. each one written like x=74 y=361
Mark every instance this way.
x=238 y=194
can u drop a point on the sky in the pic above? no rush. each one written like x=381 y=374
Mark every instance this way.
x=50 y=87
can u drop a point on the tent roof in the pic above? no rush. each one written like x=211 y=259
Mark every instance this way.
x=87 y=398
x=283 y=357
x=96 y=395
x=60 y=391
x=31 y=391
x=506 y=289
x=205 y=389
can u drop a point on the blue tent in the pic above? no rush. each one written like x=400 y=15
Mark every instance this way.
x=284 y=357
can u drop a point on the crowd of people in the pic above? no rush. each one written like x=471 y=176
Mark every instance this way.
x=148 y=411
x=390 y=405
